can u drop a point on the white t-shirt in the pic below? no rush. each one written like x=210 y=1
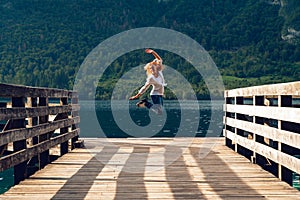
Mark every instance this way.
x=157 y=83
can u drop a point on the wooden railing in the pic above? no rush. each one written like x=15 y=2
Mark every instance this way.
x=36 y=123
x=263 y=123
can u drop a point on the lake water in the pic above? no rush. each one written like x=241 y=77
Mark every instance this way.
x=124 y=119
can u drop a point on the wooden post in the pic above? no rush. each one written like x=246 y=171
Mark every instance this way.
x=25 y=145
x=253 y=157
x=274 y=152
x=20 y=169
x=64 y=146
x=74 y=126
x=3 y=147
x=33 y=121
x=224 y=119
x=267 y=102
x=279 y=143
x=44 y=158
x=238 y=101
x=283 y=101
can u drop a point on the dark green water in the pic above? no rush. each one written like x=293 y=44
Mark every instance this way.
x=177 y=114
x=6 y=180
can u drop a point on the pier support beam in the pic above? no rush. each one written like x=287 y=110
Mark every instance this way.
x=44 y=156
x=64 y=146
x=20 y=169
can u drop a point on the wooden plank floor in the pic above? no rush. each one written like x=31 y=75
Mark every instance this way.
x=152 y=169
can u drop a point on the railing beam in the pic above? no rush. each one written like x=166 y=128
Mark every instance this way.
x=274 y=132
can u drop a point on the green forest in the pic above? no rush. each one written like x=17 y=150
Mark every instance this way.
x=44 y=42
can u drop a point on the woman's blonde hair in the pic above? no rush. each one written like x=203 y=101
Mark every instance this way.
x=149 y=66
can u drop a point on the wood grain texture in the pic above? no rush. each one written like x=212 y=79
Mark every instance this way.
x=25 y=133
x=19 y=112
x=281 y=113
x=279 y=157
x=292 y=88
x=11 y=90
x=27 y=153
x=34 y=126
x=286 y=137
x=158 y=168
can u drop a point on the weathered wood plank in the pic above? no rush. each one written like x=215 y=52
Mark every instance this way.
x=25 y=133
x=119 y=169
x=285 y=114
x=31 y=142
x=292 y=88
x=286 y=137
x=19 y=112
x=10 y=90
x=284 y=159
x=280 y=113
x=25 y=154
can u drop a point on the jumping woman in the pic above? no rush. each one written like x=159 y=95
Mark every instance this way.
x=155 y=79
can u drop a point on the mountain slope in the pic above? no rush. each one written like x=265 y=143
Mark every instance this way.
x=44 y=42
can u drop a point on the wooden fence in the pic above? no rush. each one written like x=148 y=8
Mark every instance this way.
x=263 y=123
x=36 y=123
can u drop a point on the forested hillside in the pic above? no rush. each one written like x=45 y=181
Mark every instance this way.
x=44 y=42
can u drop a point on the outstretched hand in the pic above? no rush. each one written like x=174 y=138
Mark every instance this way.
x=134 y=97
x=148 y=50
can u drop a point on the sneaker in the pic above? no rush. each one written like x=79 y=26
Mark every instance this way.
x=141 y=104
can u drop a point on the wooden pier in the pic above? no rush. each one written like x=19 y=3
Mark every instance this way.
x=34 y=122
x=139 y=169
x=154 y=168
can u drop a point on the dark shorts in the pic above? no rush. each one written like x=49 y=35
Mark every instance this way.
x=156 y=100
x=156 y=105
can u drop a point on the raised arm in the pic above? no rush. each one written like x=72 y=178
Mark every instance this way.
x=153 y=53
x=158 y=62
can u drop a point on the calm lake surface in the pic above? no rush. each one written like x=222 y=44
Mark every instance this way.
x=186 y=119
x=124 y=119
